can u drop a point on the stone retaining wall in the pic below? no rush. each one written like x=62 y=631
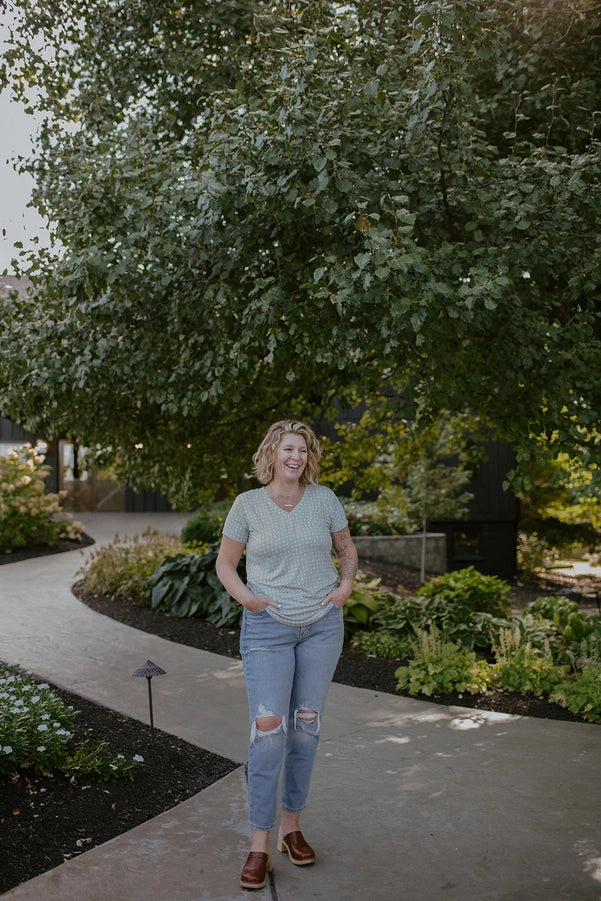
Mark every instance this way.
x=405 y=550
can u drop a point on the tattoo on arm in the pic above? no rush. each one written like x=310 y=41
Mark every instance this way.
x=346 y=554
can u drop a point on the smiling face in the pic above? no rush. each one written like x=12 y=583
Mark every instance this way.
x=290 y=458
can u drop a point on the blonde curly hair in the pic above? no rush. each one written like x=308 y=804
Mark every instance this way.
x=264 y=457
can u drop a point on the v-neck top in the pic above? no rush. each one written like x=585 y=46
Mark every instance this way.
x=289 y=553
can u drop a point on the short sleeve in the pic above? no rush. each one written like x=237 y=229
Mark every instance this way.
x=236 y=522
x=338 y=520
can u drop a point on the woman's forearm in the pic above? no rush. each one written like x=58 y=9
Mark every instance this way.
x=347 y=566
x=227 y=574
x=346 y=555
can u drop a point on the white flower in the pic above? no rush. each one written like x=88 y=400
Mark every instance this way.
x=138 y=758
x=43 y=728
x=7 y=749
x=41 y=749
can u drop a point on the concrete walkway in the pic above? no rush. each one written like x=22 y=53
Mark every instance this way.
x=409 y=800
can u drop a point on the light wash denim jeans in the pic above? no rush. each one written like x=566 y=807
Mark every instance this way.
x=287 y=669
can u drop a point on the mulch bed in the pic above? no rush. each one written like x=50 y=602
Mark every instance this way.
x=44 y=550
x=45 y=820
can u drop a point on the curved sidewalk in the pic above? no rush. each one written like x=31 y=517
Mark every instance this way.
x=409 y=800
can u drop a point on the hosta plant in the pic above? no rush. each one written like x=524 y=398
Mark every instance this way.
x=408 y=615
x=362 y=604
x=187 y=585
x=472 y=589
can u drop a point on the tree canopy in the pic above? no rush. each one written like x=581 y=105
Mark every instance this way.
x=261 y=209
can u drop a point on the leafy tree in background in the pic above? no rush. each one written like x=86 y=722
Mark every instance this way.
x=420 y=470
x=261 y=208
x=560 y=512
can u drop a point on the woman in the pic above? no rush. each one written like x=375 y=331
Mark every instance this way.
x=292 y=627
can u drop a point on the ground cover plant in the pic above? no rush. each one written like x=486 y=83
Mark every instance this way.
x=38 y=732
x=438 y=666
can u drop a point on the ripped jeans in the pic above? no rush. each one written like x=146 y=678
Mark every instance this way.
x=288 y=671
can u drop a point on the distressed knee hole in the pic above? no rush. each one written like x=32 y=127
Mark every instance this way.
x=265 y=724
x=268 y=723
x=307 y=720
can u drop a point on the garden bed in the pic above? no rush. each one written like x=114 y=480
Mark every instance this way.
x=45 y=820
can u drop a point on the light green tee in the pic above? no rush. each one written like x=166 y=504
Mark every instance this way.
x=289 y=555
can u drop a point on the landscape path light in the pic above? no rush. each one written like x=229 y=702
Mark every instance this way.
x=150 y=669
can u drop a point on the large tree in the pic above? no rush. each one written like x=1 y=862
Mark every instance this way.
x=259 y=208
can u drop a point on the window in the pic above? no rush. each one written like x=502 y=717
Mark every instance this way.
x=466 y=542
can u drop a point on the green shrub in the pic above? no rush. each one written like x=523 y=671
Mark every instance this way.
x=565 y=616
x=401 y=615
x=381 y=644
x=37 y=731
x=362 y=604
x=469 y=628
x=122 y=568
x=555 y=608
x=439 y=667
x=187 y=585
x=522 y=669
x=472 y=589
x=206 y=524
x=556 y=622
x=410 y=614
x=581 y=694
x=29 y=515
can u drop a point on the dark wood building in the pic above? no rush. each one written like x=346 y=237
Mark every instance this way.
x=487 y=538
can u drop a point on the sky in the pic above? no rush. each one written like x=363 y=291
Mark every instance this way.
x=19 y=222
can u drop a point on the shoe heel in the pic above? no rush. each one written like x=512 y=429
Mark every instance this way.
x=269 y=865
x=280 y=845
